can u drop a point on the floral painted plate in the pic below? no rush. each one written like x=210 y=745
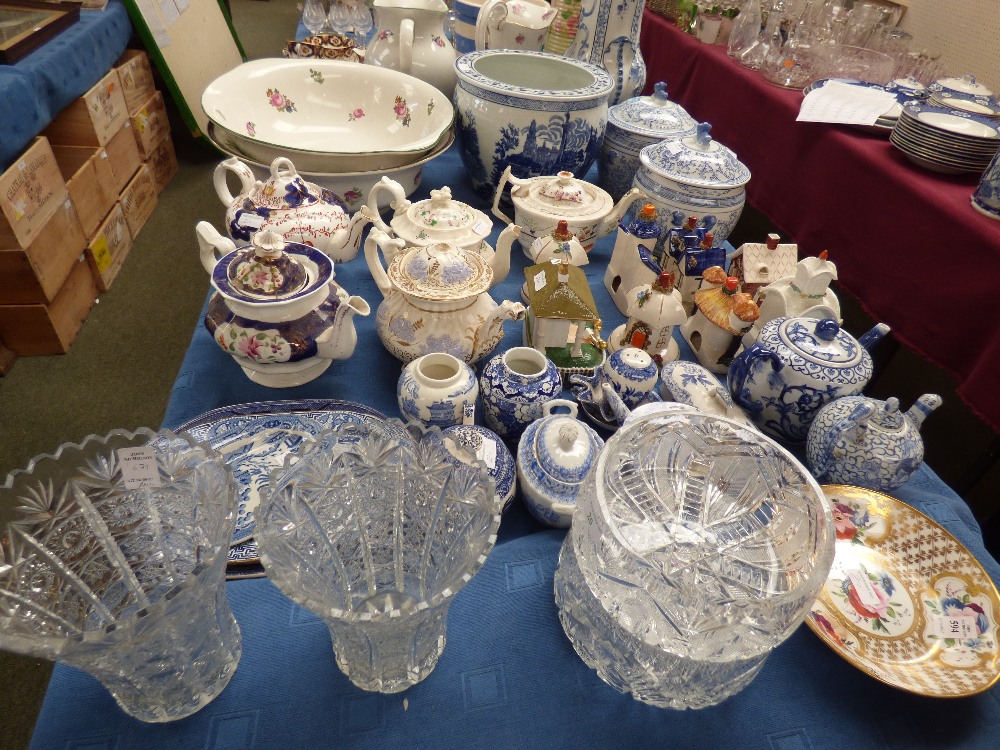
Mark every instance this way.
x=905 y=601
x=254 y=438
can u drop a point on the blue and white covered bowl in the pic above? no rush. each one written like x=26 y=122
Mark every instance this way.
x=487 y=445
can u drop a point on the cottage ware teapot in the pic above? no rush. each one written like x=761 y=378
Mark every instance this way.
x=297 y=210
x=540 y=202
x=414 y=37
x=436 y=300
x=513 y=24
x=866 y=442
x=276 y=308
x=796 y=366
x=440 y=218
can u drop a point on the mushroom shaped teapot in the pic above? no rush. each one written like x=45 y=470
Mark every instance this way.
x=276 y=309
x=436 y=300
x=866 y=442
x=297 y=210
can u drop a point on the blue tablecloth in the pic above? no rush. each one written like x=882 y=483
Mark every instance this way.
x=37 y=87
x=508 y=677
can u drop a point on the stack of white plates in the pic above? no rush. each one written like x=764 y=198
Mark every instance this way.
x=986 y=106
x=946 y=140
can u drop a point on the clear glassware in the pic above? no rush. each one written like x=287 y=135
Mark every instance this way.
x=375 y=528
x=339 y=17
x=361 y=22
x=697 y=547
x=122 y=575
x=794 y=66
x=744 y=39
x=314 y=16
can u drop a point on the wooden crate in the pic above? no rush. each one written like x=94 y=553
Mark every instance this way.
x=108 y=248
x=123 y=154
x=163 y=163
x=36 y=273
x=35 y=330
x=31 y=191
x=87 y=171
x=150 y=125
x=138 y=200
x=92 y=119
x=136 y=76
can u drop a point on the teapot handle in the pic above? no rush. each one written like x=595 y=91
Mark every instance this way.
x=555 y=403
x=247 y=180
x=504 y=179
x=406 y=45
x=212 y=245
x=740 y=369
x=398 y=204
x=379 y=239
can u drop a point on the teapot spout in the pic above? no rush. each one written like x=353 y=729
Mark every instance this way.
x=352 y=242
x=613 y=219
x=876 y=334
x=922 y=407
x=501 y=258
x=211 y=242
x=491 y=330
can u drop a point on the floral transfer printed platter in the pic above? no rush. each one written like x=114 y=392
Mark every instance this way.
x=254 y=438
x=905 y=601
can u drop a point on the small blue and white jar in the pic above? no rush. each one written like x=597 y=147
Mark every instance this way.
x=632 y=373
x=515 y=386
x=437 y=389
x=486 y=445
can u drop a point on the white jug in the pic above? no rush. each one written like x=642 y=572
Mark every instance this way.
x=412 y=37
x=513 y=24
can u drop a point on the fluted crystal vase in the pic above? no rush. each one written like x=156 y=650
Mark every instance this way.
x=112 y=560
x=375 y=528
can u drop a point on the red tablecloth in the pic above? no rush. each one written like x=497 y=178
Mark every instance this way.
x=905 y=240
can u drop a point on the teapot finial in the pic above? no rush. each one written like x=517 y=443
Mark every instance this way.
x=441 y=196
x=660 y=92
x=891 y=405
x=827 y=329
x=268 y=244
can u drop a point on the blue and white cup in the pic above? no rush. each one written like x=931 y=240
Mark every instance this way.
x=986 y=198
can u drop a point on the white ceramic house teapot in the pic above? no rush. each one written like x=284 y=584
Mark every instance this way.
x=441 y=218
x=436 y=300
x=276 y=308
x=866 y=442
x=540 y=202
x=297 y=210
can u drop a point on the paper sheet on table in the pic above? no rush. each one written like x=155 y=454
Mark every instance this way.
x=841 y=102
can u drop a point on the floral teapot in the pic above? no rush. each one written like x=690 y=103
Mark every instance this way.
x=867 y=442
x=276 y=308
x=297 y=210
x=540 y=202
x=436 y=300
x=440 y=218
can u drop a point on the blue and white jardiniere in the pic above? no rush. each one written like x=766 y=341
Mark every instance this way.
x=867 y=442
x=554 y=456
x=535 y=112
x=515 y=386
x=797 y=366
x=694 y=176
x=632 y=125
x=632 y=373
x=438 y=390
x=487 y=446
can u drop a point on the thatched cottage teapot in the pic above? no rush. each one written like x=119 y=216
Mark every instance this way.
x=436 y=300
x=276 y=308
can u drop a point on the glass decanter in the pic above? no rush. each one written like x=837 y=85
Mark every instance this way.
x=744 y=39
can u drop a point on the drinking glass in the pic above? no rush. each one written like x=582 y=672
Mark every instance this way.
x=314 y=16
x=339 y=17
x=375 y=527
x=112 y=560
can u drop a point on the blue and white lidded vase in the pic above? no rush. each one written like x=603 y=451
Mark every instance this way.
x=515 y=386
x=487 y=446
x=797 y=366
x=437 y=389
x=632 y=373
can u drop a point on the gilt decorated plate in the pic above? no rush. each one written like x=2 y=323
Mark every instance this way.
x=905 y=602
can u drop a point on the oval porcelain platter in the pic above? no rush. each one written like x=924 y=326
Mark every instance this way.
x=905 y=601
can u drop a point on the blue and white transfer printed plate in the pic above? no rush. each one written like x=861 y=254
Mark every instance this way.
x=254 y=438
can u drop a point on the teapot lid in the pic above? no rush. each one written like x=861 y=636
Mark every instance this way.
x=440 y=272
x=441 y=219
x=270 y=269
x=820 y=347
x=283 y=189
x=696 y=160
x=654 y=116
x=565 y=196
x=562 y=450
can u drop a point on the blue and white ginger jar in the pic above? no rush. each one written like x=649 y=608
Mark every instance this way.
x=515 y=386
x=437 y=390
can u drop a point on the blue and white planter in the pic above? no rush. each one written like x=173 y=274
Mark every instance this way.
x=632 y=373
x=486 y=445
x=535 y=112
x=515 y=386
x=436 y=390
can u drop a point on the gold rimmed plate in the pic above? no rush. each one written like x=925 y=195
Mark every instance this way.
x=906 y=602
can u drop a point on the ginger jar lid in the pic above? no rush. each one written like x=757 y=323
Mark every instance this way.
x=565 y=196
x=557 y=451
x=440 y=272
x=696 y=160
x=653 y=116
x=440 y=218
x=819 y=348
x=284 y=189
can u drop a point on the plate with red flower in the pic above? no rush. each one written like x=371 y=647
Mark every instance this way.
x=905 y=601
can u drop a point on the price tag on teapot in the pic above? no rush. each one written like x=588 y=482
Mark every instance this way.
x=139 y=467
x=536 y=246
x=250 y=221
x=483 y=226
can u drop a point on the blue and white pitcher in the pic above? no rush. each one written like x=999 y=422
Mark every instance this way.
x=608 y=35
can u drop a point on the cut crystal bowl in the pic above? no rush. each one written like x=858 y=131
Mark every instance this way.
x=698 y=546
x=375 y=527
x=119 y=571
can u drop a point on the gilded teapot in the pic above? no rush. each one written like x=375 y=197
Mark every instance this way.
x=436 y=300
x=297 y=210
x=276 y=309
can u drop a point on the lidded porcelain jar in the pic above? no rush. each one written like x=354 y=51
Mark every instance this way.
x=796 y=366
x=437 y=390
x=694 y=176
x=541 y=202
x=632 y=125
x=515 y=386
x=632 y=373
x=554 y=456
x=487 y=446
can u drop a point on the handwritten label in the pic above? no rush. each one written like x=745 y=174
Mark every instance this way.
x=469 y=414
x=959 y=628
x=865 y=588
x=139 y=467
x=539 y=281
x=488 y=453
x=536 y=246
x=483 y=226
x=253 y=221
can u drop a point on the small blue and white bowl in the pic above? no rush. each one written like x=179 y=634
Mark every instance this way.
x=487 y=445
